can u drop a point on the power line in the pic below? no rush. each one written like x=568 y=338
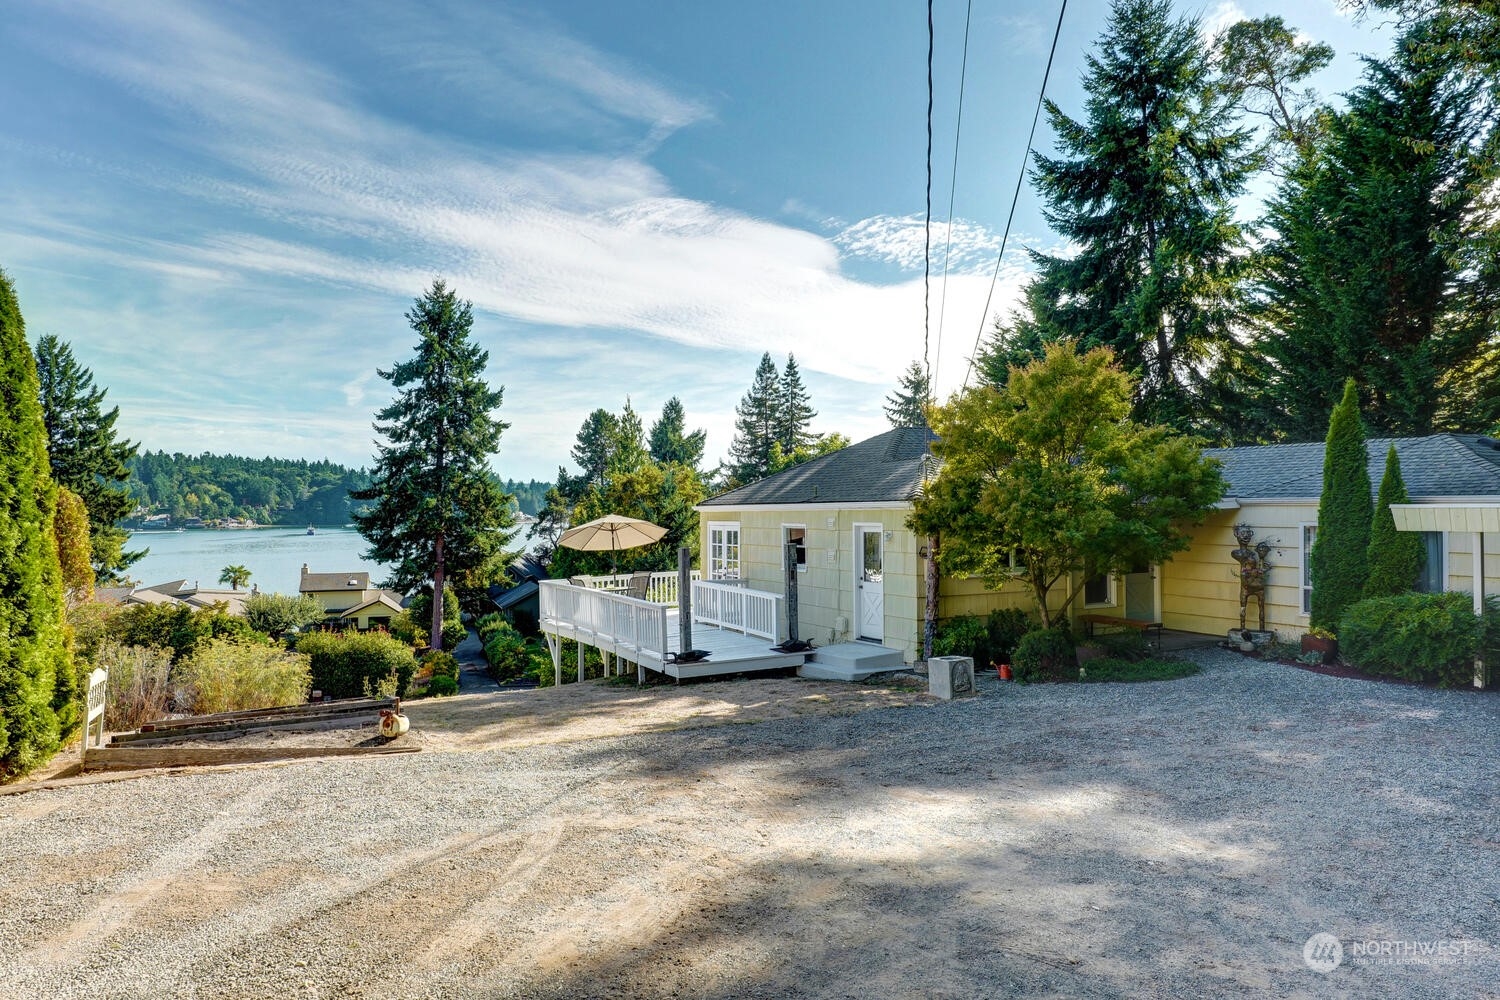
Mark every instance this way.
x=963 y=74
x=927 y=230
x=1016 y=195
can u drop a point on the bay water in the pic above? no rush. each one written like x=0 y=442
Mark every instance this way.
x=273 y=555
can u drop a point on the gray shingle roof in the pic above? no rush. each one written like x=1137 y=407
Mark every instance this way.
x=886 y=467
x=324 y=582
x=1437 y=466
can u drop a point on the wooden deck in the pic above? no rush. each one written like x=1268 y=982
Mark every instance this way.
x=645 y=634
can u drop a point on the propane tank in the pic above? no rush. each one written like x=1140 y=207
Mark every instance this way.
x=392 y=724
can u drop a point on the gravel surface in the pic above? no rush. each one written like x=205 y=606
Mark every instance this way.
x=1175 y=839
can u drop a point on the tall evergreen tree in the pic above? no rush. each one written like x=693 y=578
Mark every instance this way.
x=86 y=455
x=1011 y=345
x=1144 y=186
x=756 y=426
x=1378 y=269
x=670 y=441
x=36 y=676
x=1340 y=554
x=794 y=412
x=439 y=518
x=593 y=451
x=628 y=445
x=907 y=406
x=71 y=527
x=1395 y=557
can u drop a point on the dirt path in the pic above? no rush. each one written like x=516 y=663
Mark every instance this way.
x=1153 y=840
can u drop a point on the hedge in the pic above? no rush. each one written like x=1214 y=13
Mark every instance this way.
x=1432 y=638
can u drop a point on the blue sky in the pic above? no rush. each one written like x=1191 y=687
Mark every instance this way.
x=227 y=207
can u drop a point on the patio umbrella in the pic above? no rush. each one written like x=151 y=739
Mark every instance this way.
x=611 y=533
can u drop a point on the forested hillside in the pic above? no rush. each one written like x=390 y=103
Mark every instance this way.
x=530 y=496
x=265 y=490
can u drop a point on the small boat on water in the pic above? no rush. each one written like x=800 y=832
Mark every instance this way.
x=310 y=530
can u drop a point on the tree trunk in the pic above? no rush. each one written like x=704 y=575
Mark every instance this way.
x=436 y=642
x=929 y=618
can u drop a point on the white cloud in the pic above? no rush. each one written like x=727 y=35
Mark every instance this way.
x=1225 y=14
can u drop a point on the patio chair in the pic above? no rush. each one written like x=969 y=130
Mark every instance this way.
x=640 y=584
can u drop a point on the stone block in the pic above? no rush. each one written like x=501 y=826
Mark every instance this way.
x=950 y=677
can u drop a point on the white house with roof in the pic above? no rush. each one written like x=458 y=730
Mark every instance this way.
x=349 y=597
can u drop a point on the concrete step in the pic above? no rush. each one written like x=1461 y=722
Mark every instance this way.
x=850 y=661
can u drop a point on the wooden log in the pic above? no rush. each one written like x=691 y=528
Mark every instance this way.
x=230 y=731
x=141 y=758
x=342 y=706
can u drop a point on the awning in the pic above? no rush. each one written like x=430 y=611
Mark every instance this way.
x=1446 y=516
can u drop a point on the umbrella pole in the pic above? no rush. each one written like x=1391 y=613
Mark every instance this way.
x=684 y=599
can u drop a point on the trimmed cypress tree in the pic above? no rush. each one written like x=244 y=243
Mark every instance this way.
x=1395 y=557
x=1340 y=553
x=33 y=653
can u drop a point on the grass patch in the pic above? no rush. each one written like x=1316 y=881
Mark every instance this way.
x=1108 y=670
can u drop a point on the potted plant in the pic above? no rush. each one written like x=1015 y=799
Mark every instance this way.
x=1322 y=642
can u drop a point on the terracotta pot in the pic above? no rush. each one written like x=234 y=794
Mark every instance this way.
x=1329 y=648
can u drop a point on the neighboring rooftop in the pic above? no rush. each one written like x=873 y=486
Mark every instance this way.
x=323 y=582
x=881 y=469
x=1434 y=467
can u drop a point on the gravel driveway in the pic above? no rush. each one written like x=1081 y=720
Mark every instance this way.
x=1174 y=840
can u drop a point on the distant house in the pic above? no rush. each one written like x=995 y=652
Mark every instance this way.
x=179 y=592
x=861 y=570
x=349 y=596
x=521 y=599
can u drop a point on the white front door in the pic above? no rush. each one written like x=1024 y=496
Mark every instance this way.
x=869 y=583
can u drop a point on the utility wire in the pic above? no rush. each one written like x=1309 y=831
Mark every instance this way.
x=963 y=73
x=1016 y=195
x=927 y=230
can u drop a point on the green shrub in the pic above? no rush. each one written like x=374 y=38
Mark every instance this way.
x=139 y=689
x=404 y=627
x=354 y=665
x=1109 y=669
x=453 y=626
x=963 y=636
x=230 y=675
x=1130 y=645
x=1431 y=638
x=442 y=687
x=440 y=663
x=178 y=627
x=1006 y=628
x=1045 y=654
x=276 y=614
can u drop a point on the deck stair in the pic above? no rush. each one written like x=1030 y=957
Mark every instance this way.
x=851 y=661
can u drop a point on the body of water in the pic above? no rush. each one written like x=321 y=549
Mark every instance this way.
x=274 y=556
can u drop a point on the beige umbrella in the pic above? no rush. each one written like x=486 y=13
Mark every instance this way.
x=611 y=533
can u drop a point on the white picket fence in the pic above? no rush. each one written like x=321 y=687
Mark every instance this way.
x=731 y=606
x=94 y=708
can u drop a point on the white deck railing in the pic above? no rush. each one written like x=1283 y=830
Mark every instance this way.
x=731 y=606
x=662 y=589
x=623 y=622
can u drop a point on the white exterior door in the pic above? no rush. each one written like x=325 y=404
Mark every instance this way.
x=869 y=583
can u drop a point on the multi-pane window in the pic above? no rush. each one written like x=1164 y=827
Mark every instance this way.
x=724 y=550
x=1434 y=576
x=1098 y=591
x=1309 y=535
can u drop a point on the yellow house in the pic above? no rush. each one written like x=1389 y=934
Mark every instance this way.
x=861 y=570
x=349 y=596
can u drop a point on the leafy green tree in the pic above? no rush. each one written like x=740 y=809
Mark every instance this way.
x=36 y=674
x=1379 y=268
x=236 y=576
x=437 y=512
x=757 y=425
x=670 y=441
x=1261 y=62
x=1012 y=345
x=1340 y=554
x=1049 y=478
x=822 y=444
x=177 y=627
x=794 y=410
x=906 y=406
x=1395 y=557
x=71 y=526
x=86 y=455
x=1144 y=186
x=277 y=614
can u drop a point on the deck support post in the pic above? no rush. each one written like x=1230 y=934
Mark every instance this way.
x=554 y=646
x=684 y=599
x=1478 y=546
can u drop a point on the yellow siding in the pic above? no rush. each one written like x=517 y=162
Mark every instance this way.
x=825 y=589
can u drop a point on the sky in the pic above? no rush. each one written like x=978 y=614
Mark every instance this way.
x=226 y=208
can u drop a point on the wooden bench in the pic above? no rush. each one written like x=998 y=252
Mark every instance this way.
x=1148 y=628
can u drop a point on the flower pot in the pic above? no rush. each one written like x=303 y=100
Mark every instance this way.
x=1003 y=669
x=1328 y=648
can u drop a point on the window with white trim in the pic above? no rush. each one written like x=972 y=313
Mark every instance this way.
x=1309 y=535
x=1099 y=591
x=1434 y=576
x=724 y=550
x=796 y=534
